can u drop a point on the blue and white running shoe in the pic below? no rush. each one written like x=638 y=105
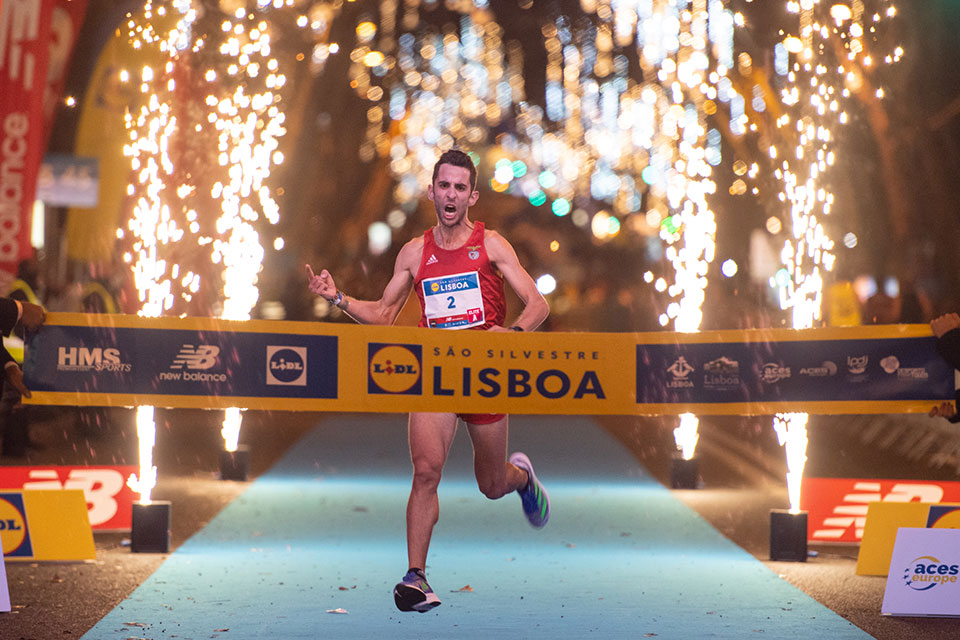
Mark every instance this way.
x=536 y=502
x=414 y=594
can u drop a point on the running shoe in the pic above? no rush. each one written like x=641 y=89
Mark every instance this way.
x=414 y=594
x=536 y=502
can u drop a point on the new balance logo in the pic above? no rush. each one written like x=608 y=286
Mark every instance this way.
x=432 y=260
x=202 y=356
x=851 y=514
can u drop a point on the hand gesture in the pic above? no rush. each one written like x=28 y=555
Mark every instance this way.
x=32 y=316
x=944 y=323
x=322 y=284
x=944 y=410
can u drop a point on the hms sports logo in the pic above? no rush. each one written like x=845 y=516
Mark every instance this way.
x=395 y=369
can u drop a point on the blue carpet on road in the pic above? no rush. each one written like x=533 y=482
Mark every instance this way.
x=323 y=532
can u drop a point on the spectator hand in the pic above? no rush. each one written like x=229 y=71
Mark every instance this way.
x=944 y=324
x=944 y=410
x=33 y=316
x=15 y=378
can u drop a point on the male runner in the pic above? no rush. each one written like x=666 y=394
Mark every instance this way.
x=455 y=248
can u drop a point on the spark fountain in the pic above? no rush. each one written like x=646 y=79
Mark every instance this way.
x=817 y=86
x=154 y=228
x=203 y=138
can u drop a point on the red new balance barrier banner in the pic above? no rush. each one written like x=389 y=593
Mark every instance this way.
x=109 y=499
x=36 y=39
x=837 y=507
x=24 y=52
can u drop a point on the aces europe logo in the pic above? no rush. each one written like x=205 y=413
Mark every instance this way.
x=926 y=572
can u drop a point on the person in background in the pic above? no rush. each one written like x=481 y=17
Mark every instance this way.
x=946 y=329
x=15 y=313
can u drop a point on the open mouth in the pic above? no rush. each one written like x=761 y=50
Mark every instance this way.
x=450 y=208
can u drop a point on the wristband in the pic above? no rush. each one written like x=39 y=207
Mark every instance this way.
x=516 y=328
x=338 y=299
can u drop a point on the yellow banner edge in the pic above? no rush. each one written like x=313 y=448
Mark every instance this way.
x=318 y=404
x=864 y=332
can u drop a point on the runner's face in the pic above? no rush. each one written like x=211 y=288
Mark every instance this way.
x=451 y=194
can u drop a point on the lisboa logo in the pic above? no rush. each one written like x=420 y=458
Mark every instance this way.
x=287 y=366
x=926 y=572
x=394 y=368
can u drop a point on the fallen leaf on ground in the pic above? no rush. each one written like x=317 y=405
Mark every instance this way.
x=463 y=588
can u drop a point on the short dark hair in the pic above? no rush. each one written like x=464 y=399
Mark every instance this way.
x=458 y=159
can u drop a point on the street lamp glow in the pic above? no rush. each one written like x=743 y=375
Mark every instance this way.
x=546 y=284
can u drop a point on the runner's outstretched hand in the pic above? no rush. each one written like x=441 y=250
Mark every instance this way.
x=322 y=284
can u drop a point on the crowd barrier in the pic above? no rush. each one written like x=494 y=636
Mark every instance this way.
x=121 y=360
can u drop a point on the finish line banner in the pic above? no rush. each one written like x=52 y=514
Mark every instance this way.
x=116 y=360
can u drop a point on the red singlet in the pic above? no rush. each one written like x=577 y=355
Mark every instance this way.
x=460 y=289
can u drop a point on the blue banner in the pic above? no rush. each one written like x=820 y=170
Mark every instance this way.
x=893 y=369
x=172 y=362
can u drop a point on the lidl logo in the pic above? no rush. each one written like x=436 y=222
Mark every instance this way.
x=943 y=516
x=14 y=533
x=926 y=572
x=395 y=368
x=287 y=366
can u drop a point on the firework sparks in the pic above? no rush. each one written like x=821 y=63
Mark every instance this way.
x=813 y=97
x=686 y=435
x=230 y=431
x=144 y=483
x=641 y=150
x=204 y=138
x=791 y=431
x=153 y=224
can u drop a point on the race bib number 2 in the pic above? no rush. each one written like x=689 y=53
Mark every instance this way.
x=453 y=302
